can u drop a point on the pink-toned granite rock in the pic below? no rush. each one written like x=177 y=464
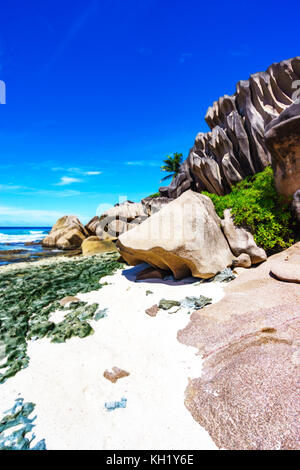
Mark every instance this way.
x=288 y=269
x=152 y=311
x=248 y=396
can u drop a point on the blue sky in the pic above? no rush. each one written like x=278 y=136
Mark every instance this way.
x=99 y=91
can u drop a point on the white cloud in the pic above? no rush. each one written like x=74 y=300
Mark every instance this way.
x=93 y=172
x=66 y=180
x=77 y=171
x=11 y=187
x=19 y=216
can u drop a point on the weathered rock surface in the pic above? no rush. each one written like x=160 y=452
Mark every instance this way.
x=185 y=237
x=242 y=261
x=288 y=269
x=248 y=396
x=93 y=246
x=123 y=217
x=66 y=234
x=92 y=225
x=120 y=219
x=235 y=147
x=154 y=204
x=283 y=141
x=240 y=240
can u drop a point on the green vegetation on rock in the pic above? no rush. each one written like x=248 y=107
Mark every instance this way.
x=154 y=195
x=257 y=207
x=28 y=297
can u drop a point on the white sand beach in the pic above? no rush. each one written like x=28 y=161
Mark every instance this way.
x=66 y=381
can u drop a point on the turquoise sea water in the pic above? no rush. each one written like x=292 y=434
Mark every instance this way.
x=16 y=237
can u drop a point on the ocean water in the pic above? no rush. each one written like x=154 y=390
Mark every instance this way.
x=15 y=237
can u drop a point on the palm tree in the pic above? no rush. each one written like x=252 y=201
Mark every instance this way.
x=171 y=165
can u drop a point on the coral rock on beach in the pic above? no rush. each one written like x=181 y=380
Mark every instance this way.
x=185 y=237
x=115 y=374
x=93 y=246
x=248 y=394
x=66 y=234
x=152 y=311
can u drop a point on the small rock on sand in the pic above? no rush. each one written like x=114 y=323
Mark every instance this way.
x=67 y=300
x=115 y=375
x=152 y=311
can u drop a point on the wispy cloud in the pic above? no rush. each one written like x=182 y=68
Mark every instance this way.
x=11 y=188
x=27 y=216
x=27 y=191
x=77 y=171
x=56 y=194
x=66 y=180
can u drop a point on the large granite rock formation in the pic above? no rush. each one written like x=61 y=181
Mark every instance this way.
x=283 y=141
x=235 y=147
x=185 y=237
x=66 y=234
x=123 y=217
x=248 y=394
x=120 y=219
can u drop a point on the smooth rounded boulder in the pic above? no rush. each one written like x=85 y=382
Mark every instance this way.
x=94 y=246
x=185 y=237
x=240 y=240
x=66 y=234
